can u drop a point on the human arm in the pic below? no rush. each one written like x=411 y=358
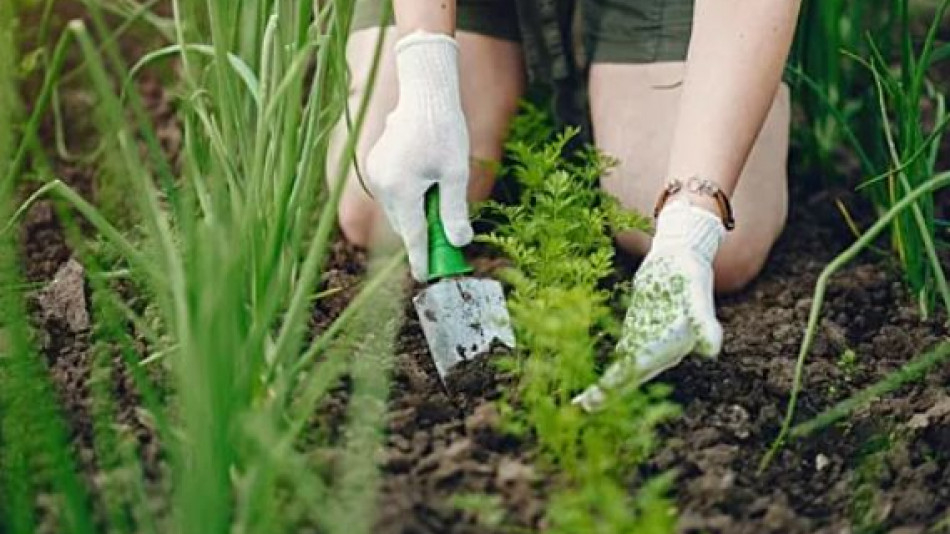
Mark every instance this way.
x=432 y=16
x=736 y=57
x=734 y=68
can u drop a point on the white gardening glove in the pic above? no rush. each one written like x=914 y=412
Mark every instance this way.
x=425 y=143
x=672 y=312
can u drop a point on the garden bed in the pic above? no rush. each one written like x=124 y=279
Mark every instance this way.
x=448 y=467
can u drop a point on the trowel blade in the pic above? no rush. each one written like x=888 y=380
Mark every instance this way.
x=461 y=317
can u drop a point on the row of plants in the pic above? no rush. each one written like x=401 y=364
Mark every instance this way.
x=558 y=237
x=862 y=75
x=222 y=250
x=861 y=80
x=875 y=103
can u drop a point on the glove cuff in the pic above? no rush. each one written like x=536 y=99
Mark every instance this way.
x=428 y=72
x=681 y=225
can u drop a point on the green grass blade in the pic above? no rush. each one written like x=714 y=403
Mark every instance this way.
x=244 y=72
x=866 y=239
x=912 y=371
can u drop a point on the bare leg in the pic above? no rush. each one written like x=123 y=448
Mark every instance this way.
x=492 y=78
x=635 y=109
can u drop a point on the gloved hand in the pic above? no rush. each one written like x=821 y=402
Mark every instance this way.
x=425 y=143
x=672 y=311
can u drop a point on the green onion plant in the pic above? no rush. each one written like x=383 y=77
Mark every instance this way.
x=903 y=179
x=225 y=250
x=862 y=79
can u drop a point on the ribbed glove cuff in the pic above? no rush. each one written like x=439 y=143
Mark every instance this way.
x=681 y=225
x=427 y=68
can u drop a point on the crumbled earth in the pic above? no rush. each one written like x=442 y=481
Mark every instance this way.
x=441 y=442
x=733 y=406
x=884 y=469
x=60 y=306
x=443 y=445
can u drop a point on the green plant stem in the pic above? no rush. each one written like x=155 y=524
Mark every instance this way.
x=39 y=109
x=291 y=333
x=374 y=339
x=248 y=79
x=224 y=256
x=818 y=298
x=35 y=455
x=930 y=141
x=922 y=227
x=910 y=372
x=833 y=110
x=66 y=193
x=366 y=295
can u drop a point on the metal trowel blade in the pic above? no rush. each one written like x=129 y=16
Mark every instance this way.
x=461 y=317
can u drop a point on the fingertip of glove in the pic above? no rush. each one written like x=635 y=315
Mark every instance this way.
x=418 y=262
x=709 y=350
x=710 y=344
x=590 y=400
x=461 y=235
x=419 y=275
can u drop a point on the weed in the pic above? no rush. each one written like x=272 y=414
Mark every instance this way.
x=486 y=509
x=814 y=314
x=908 y=212
x=866 y=509
x=848 y=363
x=831 y=92
x=912 y=371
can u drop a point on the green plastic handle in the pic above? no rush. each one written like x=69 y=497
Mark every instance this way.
x=445 y=259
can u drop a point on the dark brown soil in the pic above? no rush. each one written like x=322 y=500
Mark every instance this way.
x=882 y=469
x=877 y=471
x=441 y=447
x=886 y=469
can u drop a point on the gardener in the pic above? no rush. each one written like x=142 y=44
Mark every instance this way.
x=687 y=97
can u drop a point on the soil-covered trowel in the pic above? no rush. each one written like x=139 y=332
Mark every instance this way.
x=461 y=316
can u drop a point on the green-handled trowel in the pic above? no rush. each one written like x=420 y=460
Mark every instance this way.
x=461 y=316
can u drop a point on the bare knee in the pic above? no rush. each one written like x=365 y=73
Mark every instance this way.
x=355 y=226
x=739 y=261
x=492 y=83
x=361 y=219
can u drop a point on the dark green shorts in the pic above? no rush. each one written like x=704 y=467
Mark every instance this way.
x=614 y=31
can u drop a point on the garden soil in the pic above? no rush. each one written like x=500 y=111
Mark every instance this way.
x=886 y=469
